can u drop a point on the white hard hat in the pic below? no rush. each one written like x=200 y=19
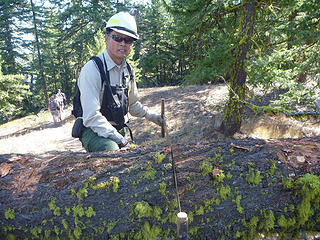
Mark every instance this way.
x=124 y=23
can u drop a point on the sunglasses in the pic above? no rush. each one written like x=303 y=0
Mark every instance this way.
x=119 y=39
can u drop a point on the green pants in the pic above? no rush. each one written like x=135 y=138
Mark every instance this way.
x=94 y=143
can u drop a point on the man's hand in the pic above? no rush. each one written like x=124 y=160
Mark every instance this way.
x=155 y=118
x=124 y=143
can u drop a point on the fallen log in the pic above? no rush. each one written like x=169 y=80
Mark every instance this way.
x=236 y=189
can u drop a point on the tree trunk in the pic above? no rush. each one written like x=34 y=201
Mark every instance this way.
x=234 y=107
x=41 y=70
x=237 y=189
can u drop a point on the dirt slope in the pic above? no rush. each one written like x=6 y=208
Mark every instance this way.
x=44 y=175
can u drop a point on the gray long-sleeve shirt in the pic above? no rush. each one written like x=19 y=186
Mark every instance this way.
x=89 y=83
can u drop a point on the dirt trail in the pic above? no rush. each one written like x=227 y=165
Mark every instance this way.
x=48 y=138
x=193 y=114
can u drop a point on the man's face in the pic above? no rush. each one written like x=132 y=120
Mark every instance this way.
x=118 y=50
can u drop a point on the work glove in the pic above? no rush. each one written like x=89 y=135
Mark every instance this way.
x=120 y=140
x=124 y=143
x=155 y=118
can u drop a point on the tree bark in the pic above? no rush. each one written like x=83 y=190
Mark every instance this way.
x=234 y=107
x=230 y=190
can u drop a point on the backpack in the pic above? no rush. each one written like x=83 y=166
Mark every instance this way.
x=53 y=105
x=115 y=102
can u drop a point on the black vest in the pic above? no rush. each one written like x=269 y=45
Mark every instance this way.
x=115 y=102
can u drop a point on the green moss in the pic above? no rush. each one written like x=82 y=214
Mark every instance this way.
x=111 y=225
x=53 y=207
x=231 y=150
x=78 y=210
x=68 y=211
x=133 y=146
x=148 y=232
x=100 y=185
x=112 y=183
x=251 y=164
x=267 y=220
x=199 y=211
x=191 y=187
x=224 y=191
x=168 y=166
x=159 y=157
x=193 y=231
x=208 y=204
x=82 y=192
x=162 y=188
x=308 y=186
x=287 y=183
x=77 y=232
x=10 y=236
x=291 y=207
x=64 y=223
x=143 y=209
x=286 y=223
x=273 y=168
x=47 y=233
x=9 y=214
x=90 y=212
x=35 y=231
x=56 y=230
x=149 y=172
x=205 y=168
x=253 y=177
x=239 y=208
x=252 y=227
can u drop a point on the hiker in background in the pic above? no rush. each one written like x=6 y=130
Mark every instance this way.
x=61 y=98
x=54 y=108
x=100 y=133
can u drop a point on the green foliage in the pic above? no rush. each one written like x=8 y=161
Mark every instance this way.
x=9 y=214
x=214 y=63
x=149 y=172
x=239 y=208
x=143 y=209
x=287 y=183
x=13 y=93
x=148 y=232
x=253 y=176
x=206 y=167
x=286 y=223
x=308 y=186
x=224 y=191
x=159 y=157
x=267 y=220
x=162 y=189
x=53 y=207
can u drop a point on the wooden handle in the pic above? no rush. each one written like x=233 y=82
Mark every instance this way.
x=163 y=132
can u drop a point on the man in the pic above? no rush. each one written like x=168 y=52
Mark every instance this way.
x=101 y=134
x=61 y=98
x=55 y=109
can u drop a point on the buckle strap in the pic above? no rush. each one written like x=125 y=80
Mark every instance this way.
x=131 y=135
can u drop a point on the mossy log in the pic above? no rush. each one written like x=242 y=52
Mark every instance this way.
x=238 y=189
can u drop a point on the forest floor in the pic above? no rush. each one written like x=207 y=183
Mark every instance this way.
x=34 y=150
